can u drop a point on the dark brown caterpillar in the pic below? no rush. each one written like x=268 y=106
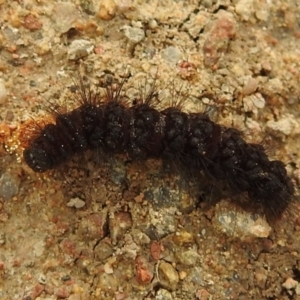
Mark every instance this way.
x=106 y=121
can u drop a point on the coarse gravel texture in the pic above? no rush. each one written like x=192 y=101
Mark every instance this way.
x=100 y=227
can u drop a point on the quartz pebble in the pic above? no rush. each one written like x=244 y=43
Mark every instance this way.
x=133 y=34
x=240 y=224
x=254 y=102
x=172 y=54
x=79 y=49
x=163 y=294
x=76 y=202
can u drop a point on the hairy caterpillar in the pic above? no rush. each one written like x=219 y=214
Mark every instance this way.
x=107 y=121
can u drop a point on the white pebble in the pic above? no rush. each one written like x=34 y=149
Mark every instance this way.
x=79 y=49
x=76 y=202
x=290 y=283
x=135 y=35
x=172 y=54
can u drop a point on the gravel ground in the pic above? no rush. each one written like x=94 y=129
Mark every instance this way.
x=100 y=227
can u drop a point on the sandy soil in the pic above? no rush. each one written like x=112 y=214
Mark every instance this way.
x=100 y=227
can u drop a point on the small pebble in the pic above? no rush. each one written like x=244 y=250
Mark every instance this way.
x=297 y=290
x=118 y=225
x=107 y=10
x=254 y=102
x=152 y=24
x=290 y=283
x=155 y=250
x=87 y=6
x=108 y=268
x=79 y=49
x=66 y=277
x=133 y=34
x=76 y=202
x=63 y=293
x=118 y=172
x=3 y=92
x=168 y=276
x=42 y=279
x=163 y=294
x=31 y=22
x=250 y=86
x=203 y=294
x=260 y=279
x=107 y=283
x=182 y=275
x=245 y=8
x=144 y=270
x=218 y=38
x=187 y=257
x=93 y=226
x=9 y=187
x=103 y=250
x=65 y=15
x=258 y=100
x=172 y=55
x=195 y=275
x=183 y=237
x=239 y=224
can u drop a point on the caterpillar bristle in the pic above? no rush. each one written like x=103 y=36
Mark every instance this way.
x=106 y=120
